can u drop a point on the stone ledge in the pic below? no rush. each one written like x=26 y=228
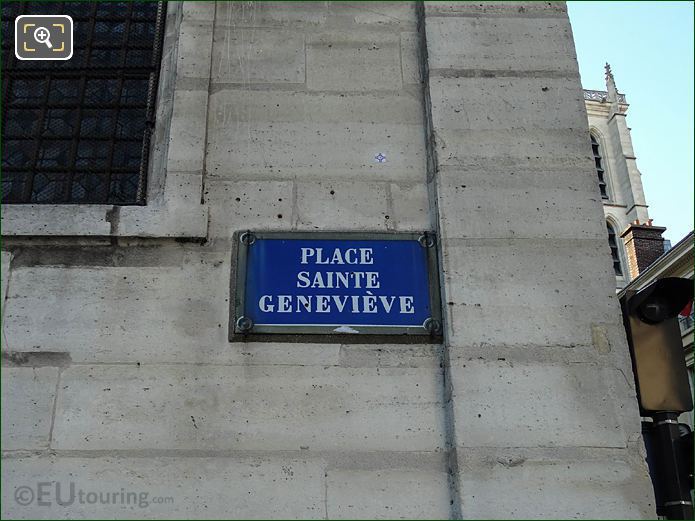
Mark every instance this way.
x=99 y=220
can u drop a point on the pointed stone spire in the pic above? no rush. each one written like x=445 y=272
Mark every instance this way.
x=611 y=88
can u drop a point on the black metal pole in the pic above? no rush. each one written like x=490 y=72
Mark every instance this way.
x=670 y=471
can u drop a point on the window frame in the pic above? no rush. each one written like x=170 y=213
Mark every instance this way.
x=607 y=163
x=596 y=140
x=610 y=225
x=70 y=139
x=173 y=203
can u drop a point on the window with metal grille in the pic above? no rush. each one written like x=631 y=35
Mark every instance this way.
x=615 y=254
x=599 y=167
x=79 y=131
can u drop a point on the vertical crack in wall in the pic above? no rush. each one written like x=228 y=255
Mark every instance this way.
x=54 y=407
x=432 y=170
x=208 y=115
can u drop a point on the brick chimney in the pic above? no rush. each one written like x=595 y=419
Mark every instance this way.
x=643 y=245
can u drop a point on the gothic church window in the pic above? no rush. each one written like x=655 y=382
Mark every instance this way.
x=79 y=131
x=615 y=254
x=598 y=160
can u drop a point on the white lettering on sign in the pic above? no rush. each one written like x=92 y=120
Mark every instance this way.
x=265 y=306
x=340 y=303
x=350 y=256
x=407 y=304
x=358 y=279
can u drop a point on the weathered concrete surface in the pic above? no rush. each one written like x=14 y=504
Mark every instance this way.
x=234 y=206
x=456 y=104
x=549 y=405
x=248 y=408
x=206 y=484
x=534 y=291
x=288 y=134
x=514 y=202
x=369 y=61
x=163 y=313
x=166 y=486
x=28 y=396
x=554 y=484
x=188 y=131
x=539 y=44
x=387 y=494
x=258 y=56
x=352 y=206
x=502 y=8
x=538 y=357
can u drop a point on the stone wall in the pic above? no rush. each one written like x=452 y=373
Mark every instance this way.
x=117 y=371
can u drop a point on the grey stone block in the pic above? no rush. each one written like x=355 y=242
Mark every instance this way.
x=199 y=11
x=358 y=60
x=248 y=408
x=533 y=292
x=167 y=487
x=380 y=14
x=410 y=207
x=315 y=136
x=342 y=205
x=195 y=47
x=182 y=189
x=187 y=134
x=390 y=355
x=230 y=106
x=508 y=103
x=506 y=44
x=514 y=148
x=511 y=9
x=596 y=483
x=123 y=314
x=284 y=354
x=27 y=406
x=257 y=56
x=518 y=203
x=171 y=220
x=242 y=205
x=513 y=404
x=387 y=494
x=318 y=151
x=271 y=14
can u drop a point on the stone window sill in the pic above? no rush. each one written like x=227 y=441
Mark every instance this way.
x=97 y=220
x=177 y=159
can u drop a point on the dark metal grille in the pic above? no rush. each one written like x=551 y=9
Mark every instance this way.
x=598 y=160
x=79 y=131
x=615 y=255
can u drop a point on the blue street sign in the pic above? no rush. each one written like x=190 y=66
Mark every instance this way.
x=323 y=283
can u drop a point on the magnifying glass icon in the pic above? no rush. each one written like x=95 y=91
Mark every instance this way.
x=42 y=35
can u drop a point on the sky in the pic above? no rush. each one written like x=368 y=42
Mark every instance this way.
x=650 y=48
